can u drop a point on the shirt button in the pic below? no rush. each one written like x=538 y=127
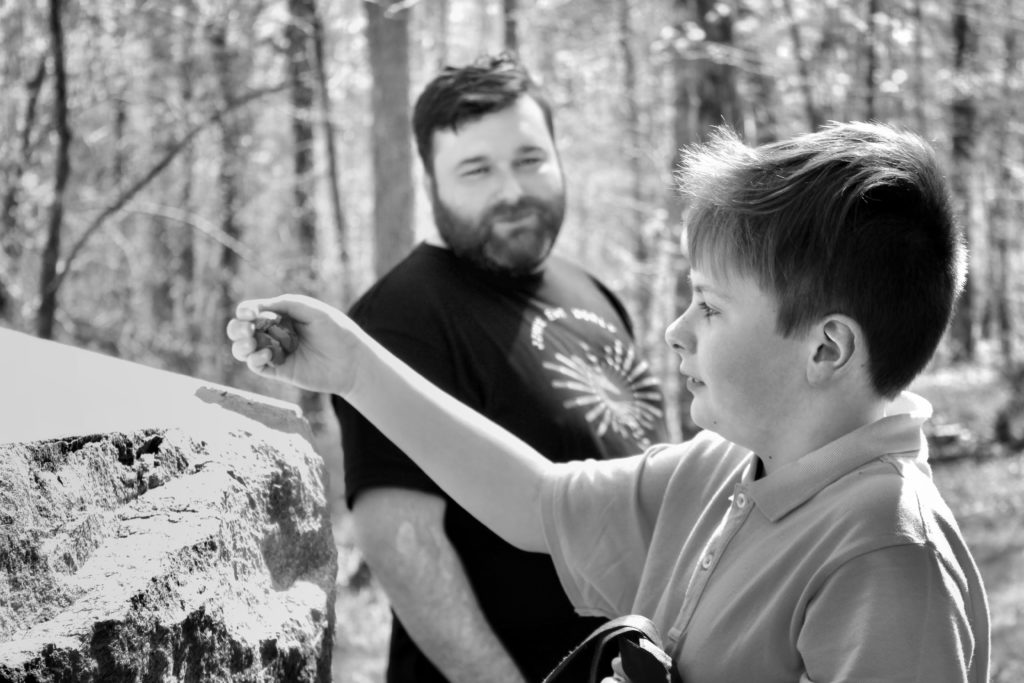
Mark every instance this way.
x=706 y=561
x=741 y=500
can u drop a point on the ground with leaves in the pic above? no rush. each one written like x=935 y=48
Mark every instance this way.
x=984 y=486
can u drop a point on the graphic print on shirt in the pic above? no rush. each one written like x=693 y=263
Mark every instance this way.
x=611 y=385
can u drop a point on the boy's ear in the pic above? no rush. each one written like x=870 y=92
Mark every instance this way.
x=837 y=340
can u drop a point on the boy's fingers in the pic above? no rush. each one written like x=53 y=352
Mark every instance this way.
x=241 y=349
x=258 y=362
x=248 y=310
x=239 y=329
x=285 y=303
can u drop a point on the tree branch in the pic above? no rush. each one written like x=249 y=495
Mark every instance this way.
x=127 y=195
x=215 y=234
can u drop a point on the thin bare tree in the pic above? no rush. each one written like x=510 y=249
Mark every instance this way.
x=387 y=33
x=47 y=311
x=964 y=110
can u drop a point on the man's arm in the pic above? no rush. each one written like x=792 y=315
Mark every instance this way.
x=401 y=534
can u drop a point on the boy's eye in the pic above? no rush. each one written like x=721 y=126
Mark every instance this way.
x=475 y=171
x=530 y=161
x=706 y=310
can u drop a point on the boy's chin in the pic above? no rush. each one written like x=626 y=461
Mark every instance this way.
x=698 y=418
x=703 y=420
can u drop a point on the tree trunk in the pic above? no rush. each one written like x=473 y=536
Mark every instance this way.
x=9 y=206
x=964 y=118
x=921 y=79
x=301 y=79
x=716 y=78
x=871 y=61
x=228 y=179
x=301 y=57
x=51 y=252
x=11 y=237
x=158 y=232
x=387 y=36
x=641 y=284
x=511 y=16
x=765 y=103
x=443 y=31
x=333 y=174
x=1003 y=219
x=183 y=265
x=811 y=111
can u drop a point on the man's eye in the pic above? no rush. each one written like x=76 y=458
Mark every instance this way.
x=476 y=171
x=530 y=161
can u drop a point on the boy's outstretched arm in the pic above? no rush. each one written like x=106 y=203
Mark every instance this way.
x=490 y=472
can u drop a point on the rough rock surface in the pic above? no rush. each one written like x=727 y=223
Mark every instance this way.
x=200 y=551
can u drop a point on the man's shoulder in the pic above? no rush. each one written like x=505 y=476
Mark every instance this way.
x=562 y=268
x=416 y=283
x=567 y=276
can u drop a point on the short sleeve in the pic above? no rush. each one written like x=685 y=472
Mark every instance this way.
x=598 y=522
x=893 y=614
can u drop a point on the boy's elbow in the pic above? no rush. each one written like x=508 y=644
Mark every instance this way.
x=524 y=527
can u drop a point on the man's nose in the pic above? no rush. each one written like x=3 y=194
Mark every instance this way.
x=509 y=190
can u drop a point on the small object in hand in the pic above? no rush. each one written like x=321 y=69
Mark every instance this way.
x=277 y=333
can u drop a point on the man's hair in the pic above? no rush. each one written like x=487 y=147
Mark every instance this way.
x=854 y=219
x=460 y=95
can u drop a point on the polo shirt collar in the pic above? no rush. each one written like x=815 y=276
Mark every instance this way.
x=789 y=487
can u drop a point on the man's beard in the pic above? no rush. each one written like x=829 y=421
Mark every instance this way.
x=477 y=242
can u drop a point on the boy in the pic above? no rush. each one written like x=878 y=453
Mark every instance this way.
x=799 y=537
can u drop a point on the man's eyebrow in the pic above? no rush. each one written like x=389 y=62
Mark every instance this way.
x=478 y=159
x=483 y=158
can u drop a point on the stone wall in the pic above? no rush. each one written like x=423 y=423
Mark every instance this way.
x=166 y=551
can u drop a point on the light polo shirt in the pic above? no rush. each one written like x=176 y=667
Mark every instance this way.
x=845 y=565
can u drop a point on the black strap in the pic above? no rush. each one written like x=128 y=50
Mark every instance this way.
x=643 y=662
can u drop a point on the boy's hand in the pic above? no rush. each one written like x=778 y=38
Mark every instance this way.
x=618 y=676
x=295 y=339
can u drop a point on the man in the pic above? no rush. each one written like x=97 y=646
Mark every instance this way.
x=531 y=341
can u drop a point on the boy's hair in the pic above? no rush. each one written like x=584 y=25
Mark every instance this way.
x=853 y=219
x=460 y=95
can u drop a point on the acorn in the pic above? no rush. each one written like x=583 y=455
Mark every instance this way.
x=277 y=333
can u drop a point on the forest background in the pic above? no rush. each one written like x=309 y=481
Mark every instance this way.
x=161 y=160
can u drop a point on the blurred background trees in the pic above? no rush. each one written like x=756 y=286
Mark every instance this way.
x=160 y=161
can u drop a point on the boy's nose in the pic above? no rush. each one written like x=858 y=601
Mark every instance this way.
x=679 y=337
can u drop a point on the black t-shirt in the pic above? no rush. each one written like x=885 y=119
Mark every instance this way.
x=550 y=357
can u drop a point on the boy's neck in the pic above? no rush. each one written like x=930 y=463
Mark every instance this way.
x=819 y=423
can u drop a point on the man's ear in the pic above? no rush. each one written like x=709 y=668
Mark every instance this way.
x=837 y=340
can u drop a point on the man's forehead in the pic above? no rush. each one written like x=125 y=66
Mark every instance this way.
x=512 y=130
